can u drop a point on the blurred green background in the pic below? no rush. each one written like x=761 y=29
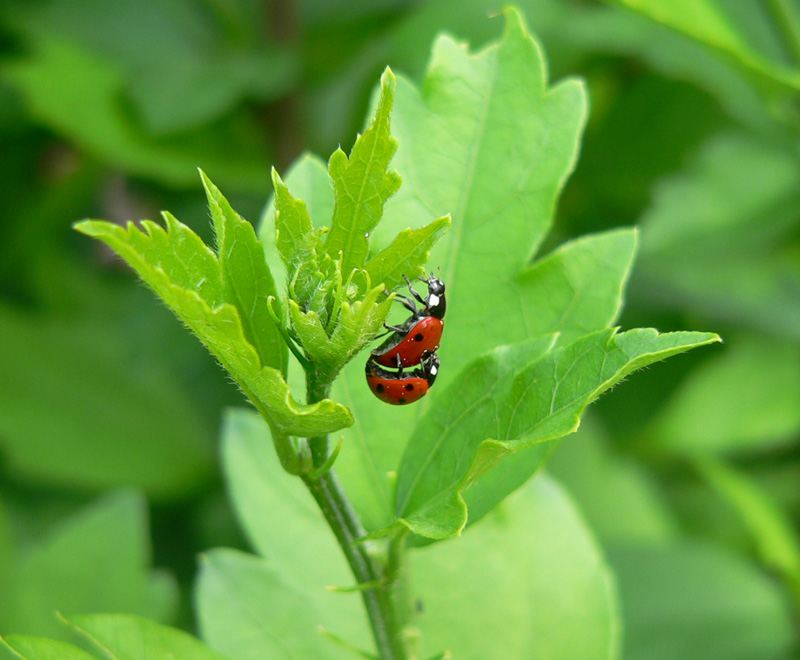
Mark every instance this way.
x=109 y=410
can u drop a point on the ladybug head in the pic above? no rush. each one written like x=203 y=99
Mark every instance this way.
x=435 y=302
x=435 y=285
x=430 y=368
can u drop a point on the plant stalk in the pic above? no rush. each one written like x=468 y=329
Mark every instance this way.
x=380 y=601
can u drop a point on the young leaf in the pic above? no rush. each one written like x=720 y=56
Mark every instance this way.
x=23 y=647
x=219 y=328
x=357 y=325
x=299 y=245
x=127 y=637
x=308 y=179
x=246 y=277
x=497 y=408
x=173 y=253
x=406 y=255
x=362 y=184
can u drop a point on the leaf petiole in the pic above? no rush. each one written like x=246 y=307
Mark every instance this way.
x=374 y=584
x=302 y=359
x=316 y=473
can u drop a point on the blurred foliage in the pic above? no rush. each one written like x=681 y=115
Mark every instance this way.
x=689 y=477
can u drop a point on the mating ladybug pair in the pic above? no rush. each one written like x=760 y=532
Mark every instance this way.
x=412 y=344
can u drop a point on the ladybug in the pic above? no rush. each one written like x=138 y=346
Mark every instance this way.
x=419 y=336
x=399 y=388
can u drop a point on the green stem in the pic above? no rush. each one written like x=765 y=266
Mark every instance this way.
x=317 y=390
x=379 y=601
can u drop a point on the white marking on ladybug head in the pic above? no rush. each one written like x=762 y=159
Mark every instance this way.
x=433 y=300
x=434 y=370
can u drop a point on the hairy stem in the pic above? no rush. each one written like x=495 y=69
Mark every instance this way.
x=380 y=601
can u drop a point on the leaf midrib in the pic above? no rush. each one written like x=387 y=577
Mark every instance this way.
x=351 y=233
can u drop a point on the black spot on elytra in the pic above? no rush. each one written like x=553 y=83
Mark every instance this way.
x=409 y=387
x=419 y=337
x=379 y=388
x=401 y=400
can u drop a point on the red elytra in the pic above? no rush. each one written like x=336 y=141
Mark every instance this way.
x=410 y=347
x=398 y=392
x=398 y=388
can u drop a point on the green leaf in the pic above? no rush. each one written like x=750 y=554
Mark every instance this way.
x=490 y=141
x=219 y=328
x=22 y=647
x=406 y=255
x=528 y=582
x=619 y=498
x=293 y=235
x=693 y=600
x=246 y=277
x=500 y=405
x=173 y=253
x=180 y=66
x=250 y=610
x=127 y=637
x=97 y=560
x=775 y=540
x=744 y=400
x=578 y=288
x=80 y=408
x=362 y=183
x=310 y=272
x=308 y=178
x=76 y=93
x=710 y=22
x=707 y=244
x=671 y=54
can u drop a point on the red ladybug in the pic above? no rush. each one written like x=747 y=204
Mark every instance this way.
x=399 y=388
x=420 y=335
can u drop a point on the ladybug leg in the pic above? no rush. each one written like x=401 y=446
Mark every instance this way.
x=408 y=304
x=416 y=295
x=399 y=364
x=392 y=328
